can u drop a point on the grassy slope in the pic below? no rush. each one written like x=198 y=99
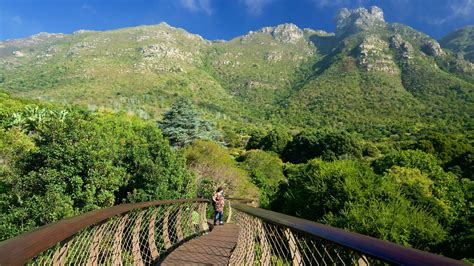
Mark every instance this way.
x=315 y=81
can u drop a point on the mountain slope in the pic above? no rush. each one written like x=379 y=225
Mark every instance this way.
x=387 y=74
x=461 y=41
x=369 y=75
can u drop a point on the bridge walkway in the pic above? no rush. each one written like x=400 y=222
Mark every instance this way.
x=213 y=248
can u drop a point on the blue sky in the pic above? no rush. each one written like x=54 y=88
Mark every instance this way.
x=219 y=19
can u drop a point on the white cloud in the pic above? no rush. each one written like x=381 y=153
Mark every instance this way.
x=460 y=9
x=197 y=5
x=463 y=8
x=255 y=7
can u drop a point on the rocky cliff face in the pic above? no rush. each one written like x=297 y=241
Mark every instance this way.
x=287 y=33
x=403 y=48
x=360 y=19
x=374 y=55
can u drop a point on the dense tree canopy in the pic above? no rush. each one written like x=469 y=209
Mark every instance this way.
x=328 y=145
x=55 y=163
x=350 y=195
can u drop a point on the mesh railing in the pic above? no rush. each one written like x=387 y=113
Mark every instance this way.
x=142 y=233
x=139 y=236
x=270 y=238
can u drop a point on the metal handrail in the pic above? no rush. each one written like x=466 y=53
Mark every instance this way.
x=372 y=247
x=20 y=249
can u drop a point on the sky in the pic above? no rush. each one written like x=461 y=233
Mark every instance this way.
x=220 y=19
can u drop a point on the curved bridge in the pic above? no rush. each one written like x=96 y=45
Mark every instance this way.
x=177 y=232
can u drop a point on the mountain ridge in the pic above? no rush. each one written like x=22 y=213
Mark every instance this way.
x=281 y=74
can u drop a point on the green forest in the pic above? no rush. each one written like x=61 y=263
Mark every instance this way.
x=58 y=161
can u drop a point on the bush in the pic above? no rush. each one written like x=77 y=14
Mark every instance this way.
x=209 y=160
x=266 y=172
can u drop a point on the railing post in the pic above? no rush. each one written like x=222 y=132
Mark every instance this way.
x=202 y=216
x=239 y=251
x=117 y=246
x=179 y=230
x=191 y=220
x=59 y=257
x=137 y=256
x=362 y=261
x=151 y=236
x=94 y=247
x=229 y=215
x=295 y=252
x=250 y=256
x=264 y=246
x=166 y=236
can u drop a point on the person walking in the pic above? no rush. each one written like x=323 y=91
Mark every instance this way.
x=218 y=200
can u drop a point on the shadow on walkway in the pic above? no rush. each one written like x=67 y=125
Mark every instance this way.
x=213 y=248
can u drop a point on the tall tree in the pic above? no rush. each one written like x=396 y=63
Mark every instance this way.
x=183 y=125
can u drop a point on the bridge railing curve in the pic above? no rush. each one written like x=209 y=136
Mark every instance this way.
x=271 y=238
x=136 y=233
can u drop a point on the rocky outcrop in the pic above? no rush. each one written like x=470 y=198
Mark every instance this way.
x=432 y=48
x=351 y=21
x=155 y=51
x=403 y=48
x=309 y=32
x=78 y=32
x=288 y=33
x=18 y=54
x=34 y=39
x=45 y=36
x=272 y=57
x=373 y=54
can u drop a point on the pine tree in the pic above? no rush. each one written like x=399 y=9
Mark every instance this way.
x=182 y=124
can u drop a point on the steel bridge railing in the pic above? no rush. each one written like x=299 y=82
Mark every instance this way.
x=128 y=234
x=142 y=233
x=271 y=238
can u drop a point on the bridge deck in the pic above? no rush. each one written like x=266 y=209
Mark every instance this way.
x=213 y=248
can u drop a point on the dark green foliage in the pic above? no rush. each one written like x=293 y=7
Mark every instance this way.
x=183 y=125
x=463 y=165
x=453 y=151
x=445 y=147
x=56 y=164
x=266 y=172
x=350 y=195
x=447 y=195
x=255 y=141
x=206 y=188
x=276 y=140
x=328 y=145
x=304 y=146
x=460 y=242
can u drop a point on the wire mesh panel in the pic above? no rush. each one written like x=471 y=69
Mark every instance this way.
x=264 y=243
x=138 y=237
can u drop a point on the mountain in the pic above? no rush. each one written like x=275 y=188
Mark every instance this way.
x=369 y=75
x=461 y=41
